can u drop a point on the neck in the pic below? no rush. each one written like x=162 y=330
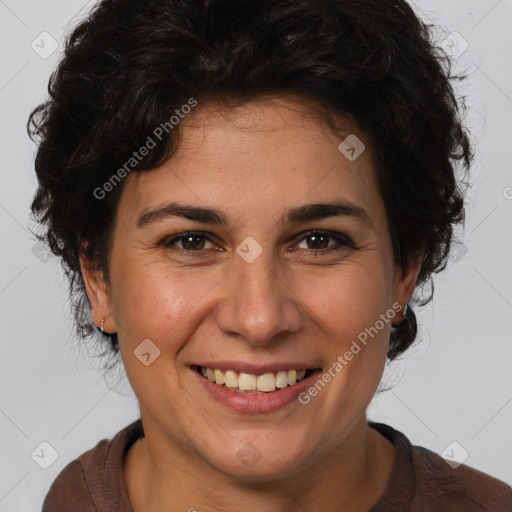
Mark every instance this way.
x=353 y=476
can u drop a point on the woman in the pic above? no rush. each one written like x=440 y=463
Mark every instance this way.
x=245 y=196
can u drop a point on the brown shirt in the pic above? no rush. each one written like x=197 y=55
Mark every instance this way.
x=420 y=480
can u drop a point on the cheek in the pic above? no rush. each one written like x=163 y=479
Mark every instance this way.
x=155 y=301
x=347 y=307
x=352 y=309
x=348 y=299
x=152 y=303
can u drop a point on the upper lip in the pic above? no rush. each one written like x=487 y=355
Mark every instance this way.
x=257 y=369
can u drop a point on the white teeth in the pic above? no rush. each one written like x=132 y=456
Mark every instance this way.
x=266 y=383
x=231 y=379
x=282 y=379
x=219 y=377
x=247 y=382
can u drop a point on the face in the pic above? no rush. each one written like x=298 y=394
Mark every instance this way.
x=258 y=283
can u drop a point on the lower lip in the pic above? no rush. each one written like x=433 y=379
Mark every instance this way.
x=256 y=402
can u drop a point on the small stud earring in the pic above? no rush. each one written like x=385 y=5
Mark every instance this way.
x=102 y=325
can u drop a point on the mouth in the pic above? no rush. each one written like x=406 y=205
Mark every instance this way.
x=262 y=391
x=241 y=382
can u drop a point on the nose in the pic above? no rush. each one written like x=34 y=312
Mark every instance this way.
x=258 y=305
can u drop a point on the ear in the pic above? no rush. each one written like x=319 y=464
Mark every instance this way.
x=98 y=294
x=404 y=280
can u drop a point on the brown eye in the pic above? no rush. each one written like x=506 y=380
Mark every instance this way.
x=320 y=241
x=190 y=242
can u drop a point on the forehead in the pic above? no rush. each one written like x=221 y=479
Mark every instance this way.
x=259 y=154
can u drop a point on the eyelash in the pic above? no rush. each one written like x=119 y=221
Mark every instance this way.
x=343 y=240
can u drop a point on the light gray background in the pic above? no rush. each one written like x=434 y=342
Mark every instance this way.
x=453 y=386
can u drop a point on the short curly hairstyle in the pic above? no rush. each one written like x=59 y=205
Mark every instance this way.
x=129 y=65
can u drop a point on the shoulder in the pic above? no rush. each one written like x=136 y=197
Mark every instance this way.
x=93 y=481
x=69 y=491
x=435 y=485
x=462 y=487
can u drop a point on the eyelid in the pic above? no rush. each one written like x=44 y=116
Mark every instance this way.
x=166 y=242
x=342 y=239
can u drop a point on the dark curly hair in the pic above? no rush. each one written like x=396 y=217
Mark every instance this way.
x=130 y=65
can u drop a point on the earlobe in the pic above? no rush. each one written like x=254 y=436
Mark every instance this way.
x=98 y=294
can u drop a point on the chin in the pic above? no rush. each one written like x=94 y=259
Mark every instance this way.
x=258 y=460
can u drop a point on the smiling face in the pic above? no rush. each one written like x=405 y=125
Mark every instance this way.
x=252 y=290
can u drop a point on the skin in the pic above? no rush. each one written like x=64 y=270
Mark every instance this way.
x=253 y=163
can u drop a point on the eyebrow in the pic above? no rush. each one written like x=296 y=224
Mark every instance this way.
x=296 y=215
